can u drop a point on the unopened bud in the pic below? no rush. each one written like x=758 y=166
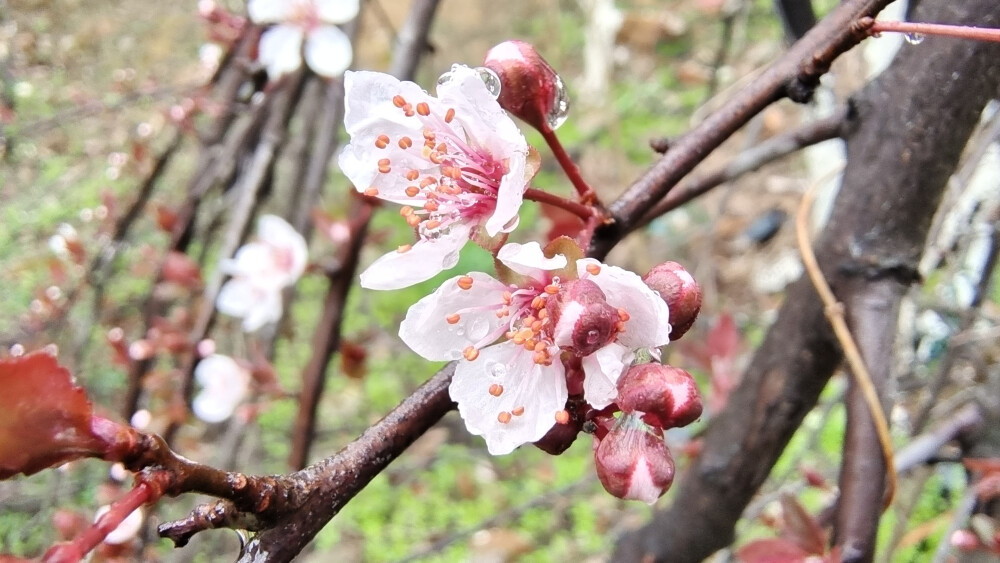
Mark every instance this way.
x=633 y=463
x=679 y=291
x=531 y=89
x=584 y=321
x=667 y=395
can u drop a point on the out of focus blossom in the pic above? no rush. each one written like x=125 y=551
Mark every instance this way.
x=224 y=385
x=260 y=271
x=304 y=27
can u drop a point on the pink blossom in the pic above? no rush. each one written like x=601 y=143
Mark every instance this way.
x=457 y=162
x=307 y=26
x=224 y=383
x=510 y=383
x=260 y=271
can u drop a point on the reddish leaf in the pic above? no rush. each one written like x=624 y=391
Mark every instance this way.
x=801 y=527
x=45 y=420
x=982 y=465
x=771 y=551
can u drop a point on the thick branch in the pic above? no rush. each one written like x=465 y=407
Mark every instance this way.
x=904 y=137
x=795 y=74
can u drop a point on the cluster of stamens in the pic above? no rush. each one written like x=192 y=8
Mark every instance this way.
x=455 y=184
x=530 y=328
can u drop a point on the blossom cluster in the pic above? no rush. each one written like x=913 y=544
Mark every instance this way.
x=553 y=343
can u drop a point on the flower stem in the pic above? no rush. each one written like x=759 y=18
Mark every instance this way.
x=943 y=30
x=583 y=189
x=585 y=212
x=93 y=536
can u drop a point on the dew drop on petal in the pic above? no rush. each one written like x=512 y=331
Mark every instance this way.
x=560 y=105
x=478 y=328
x=498 y=370
x=914 y=38
x=490 y=79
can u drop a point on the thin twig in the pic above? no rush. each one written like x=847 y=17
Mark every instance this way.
x=834 y=311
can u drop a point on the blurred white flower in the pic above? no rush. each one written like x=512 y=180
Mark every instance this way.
x=261 y=270
x=304 y=26
x=224 y=386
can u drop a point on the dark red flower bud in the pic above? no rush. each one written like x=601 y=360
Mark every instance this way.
x=583 y=320
x=633 y=463
x=531 y=89
x=667 y=395
x=679 y=291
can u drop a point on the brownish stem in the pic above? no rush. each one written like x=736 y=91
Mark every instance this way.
x=326 y=339
x=748 y=161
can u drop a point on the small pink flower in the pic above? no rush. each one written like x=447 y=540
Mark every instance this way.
x=225 y=384
x=457 y=162
x=307 y=26
x=260 y=271
x=510 y=383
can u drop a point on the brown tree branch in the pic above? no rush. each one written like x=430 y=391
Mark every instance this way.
x=748 y=161
x=904 y=135
x=794 y=75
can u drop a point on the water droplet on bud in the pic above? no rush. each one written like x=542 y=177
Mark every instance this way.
x=914 y=38
x=560 y=105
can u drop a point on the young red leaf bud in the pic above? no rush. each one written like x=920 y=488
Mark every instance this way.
x=584 y=321
x=633 y=463
x=667 y=395
x=531 y=89
x=679 y=291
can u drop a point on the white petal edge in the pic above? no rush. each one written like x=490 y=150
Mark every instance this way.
x=529 y=260
x=649 y=325
x=280 y=50
x=337 y=11
x=426 y=259
x=509 y=197
x=328 y=51
x=601 y=372
x=426 y=331
x=541 y=390
x=270 y=11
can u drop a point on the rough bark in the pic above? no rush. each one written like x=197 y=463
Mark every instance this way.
x=904 y=138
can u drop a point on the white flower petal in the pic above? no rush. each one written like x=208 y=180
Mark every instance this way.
x=285 y=241
x=601 y=372
x=426 y=259
x=649 y=325
x=250 y=259
x=236 y=298
x=218 y=367
x=270 y=11
x=211 y=408
x=426 y=331
x=336 y=11
x=267 y=310
x=328 y=51
x=478 y=113
x=369 y=113
x=529 y=260
x=539 y=390
x=509 y=197
x=280 y=50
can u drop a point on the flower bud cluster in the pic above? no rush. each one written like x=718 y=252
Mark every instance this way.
x=632 y=458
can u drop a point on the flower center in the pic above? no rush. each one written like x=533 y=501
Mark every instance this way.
x=458 y=181
x=305 y=15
